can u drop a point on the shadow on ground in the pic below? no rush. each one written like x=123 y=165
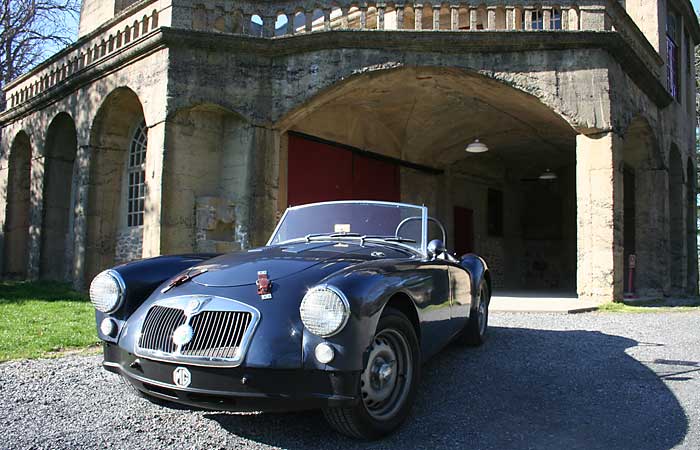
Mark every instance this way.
x=524 y=389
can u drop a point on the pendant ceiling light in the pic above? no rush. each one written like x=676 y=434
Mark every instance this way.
x=548 y=175
x=477 y=147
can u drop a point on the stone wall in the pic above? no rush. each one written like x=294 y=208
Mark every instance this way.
x=129 y=245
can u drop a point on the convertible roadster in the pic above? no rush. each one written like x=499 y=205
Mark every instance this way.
x=336 y=312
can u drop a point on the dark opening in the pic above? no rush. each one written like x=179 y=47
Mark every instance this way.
x=629 y=238
x=495 y=212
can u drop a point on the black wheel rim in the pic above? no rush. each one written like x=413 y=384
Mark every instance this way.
x=387 y=378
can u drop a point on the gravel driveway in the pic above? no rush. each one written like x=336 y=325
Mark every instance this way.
x=589 y=381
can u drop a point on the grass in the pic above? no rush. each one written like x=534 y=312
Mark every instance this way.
x=651 y=306
x=43 y=319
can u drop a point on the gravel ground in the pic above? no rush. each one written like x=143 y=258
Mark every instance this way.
x=588 y=381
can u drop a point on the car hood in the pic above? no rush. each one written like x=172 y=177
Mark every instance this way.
x=282 y=261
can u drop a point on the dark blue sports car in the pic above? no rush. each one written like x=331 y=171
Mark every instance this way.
x=336 y=312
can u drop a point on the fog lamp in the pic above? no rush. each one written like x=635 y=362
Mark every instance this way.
x=324 y=353
x=108 y=327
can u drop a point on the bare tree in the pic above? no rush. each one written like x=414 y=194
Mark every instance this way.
x=31 y=28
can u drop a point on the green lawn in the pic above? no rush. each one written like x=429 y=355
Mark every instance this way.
x=650 y=306
x=40 y=319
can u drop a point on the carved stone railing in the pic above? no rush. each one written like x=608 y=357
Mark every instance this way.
x=132 y=26
x=294 y=17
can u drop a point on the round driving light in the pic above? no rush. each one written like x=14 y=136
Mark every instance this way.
x=324 y=311
x=324 y=353
x=108 y=327
x=107 y=291
x=183 y=335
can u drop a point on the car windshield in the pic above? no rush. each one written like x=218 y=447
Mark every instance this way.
x=365 y=220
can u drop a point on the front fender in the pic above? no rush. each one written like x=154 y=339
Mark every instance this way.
x=478 y=269
x=141 y=278
x=368 y=290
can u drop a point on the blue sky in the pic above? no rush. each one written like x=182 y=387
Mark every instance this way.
x=696 y=4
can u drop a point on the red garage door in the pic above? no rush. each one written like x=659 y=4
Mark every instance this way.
x=322 y=171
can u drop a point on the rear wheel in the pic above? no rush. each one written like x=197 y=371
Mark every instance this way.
x=474 y=333
x=387 y=383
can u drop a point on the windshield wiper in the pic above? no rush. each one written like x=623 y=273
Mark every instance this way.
x=308 y=237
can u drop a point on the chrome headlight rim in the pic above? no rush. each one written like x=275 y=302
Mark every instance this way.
x=344 y=300
x=122 y=290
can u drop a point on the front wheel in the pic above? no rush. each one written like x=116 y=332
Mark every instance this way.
x=474 y=332
x=387 y=383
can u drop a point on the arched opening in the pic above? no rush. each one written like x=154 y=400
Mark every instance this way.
x=691 y=231
x=117 y=186
x=59 y=197
x=16 y=246
x=676 y=222
x=643 y=211
x=206 y=180
x=404 y=137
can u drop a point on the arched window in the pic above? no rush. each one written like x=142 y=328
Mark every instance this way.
x=136 y=176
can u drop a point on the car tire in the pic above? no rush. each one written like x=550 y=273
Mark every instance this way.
x=387 y=389
x=474 y=333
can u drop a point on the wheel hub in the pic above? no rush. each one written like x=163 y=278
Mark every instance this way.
x=379 y=378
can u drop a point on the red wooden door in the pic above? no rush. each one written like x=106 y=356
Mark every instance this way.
x=464 y=230
x=319 y=171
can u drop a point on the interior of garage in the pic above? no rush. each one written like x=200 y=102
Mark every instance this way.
x=403 y=136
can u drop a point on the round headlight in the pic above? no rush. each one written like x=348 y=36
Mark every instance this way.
x=107 y=291
x=324 y=311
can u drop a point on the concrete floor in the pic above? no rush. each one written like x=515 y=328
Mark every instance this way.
x=540 y=301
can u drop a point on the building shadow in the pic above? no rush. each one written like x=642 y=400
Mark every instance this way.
x=524 y=389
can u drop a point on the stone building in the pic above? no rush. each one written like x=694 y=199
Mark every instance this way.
x=176 y=126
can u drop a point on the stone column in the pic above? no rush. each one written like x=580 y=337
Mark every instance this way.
x=380 y=17
x=290 y=23
x=528 y=20
x=491 y=18
x=81 y=173
x=153 y=217
x=546 y=19
x=599 y=208
x=326 y=19
x=309 y=21
x=399 y=17
x=363 y=17
x=418 y=16
x=36 y=208
x=344 y=19
x=473 y=12
x=436 y=17
x=265 y=185
x=4 y=173
x=510 y=18
x=454 y=17
x=269 y=26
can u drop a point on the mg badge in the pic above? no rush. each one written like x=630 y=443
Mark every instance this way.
x=182 y=377
x=195 y=305
x=183 y=335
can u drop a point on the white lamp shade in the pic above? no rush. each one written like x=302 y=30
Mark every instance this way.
x=477 y=147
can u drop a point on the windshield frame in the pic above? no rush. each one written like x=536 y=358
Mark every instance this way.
x=423 y=209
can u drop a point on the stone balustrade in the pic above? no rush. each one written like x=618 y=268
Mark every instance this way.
x=132 y=26
x=288 y=18
x=294 y=17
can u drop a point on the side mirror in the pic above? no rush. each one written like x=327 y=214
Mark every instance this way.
x=436 y=248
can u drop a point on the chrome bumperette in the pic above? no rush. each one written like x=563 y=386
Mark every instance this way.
x=222 y=330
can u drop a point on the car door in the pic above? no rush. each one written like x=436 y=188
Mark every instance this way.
x=460 y=293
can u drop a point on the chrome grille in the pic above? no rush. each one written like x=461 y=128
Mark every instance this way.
x=158 y=328
x=217 y=334
x=222 y=330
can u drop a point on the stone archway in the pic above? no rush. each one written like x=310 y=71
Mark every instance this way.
x=524 y=226
x=676 y=222
x=643 y=192
x=17 y=215
x=116 y=129
x=59 y=197
x=207 y=180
